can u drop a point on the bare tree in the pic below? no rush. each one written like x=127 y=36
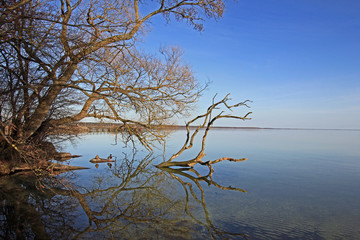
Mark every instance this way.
x=65 y=60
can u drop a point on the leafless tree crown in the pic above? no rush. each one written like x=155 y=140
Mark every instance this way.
x=65 y=60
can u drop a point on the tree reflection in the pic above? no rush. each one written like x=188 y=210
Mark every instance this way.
x=132 y=199
x=27 y=213
x=189 y=182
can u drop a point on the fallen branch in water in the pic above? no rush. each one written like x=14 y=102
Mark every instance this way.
x=208 y=121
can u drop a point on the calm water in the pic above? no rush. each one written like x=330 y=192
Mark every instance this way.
x=296 y=184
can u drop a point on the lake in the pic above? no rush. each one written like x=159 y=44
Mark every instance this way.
x=295 y=184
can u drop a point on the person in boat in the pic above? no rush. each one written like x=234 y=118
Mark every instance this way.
x=97 y=157
x=109 y=157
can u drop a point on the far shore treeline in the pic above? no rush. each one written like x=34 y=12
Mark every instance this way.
x=84 y=127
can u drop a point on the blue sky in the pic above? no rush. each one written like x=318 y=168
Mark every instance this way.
x=298 y=61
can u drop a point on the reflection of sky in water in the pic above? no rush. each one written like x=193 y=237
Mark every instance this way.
x=301 y=184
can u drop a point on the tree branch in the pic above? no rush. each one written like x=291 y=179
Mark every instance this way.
x=208 y=121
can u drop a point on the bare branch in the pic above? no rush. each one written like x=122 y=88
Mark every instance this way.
x=208 y=121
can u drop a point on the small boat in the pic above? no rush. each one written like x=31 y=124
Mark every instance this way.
x=97 y=159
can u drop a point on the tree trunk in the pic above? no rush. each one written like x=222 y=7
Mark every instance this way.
x=42 y=110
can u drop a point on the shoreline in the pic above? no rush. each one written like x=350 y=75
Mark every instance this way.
x=95 y=125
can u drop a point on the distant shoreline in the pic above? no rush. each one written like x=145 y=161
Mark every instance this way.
x=267 y=128
x=114 y=125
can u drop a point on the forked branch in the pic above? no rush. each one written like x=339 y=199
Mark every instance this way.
x=207 y=122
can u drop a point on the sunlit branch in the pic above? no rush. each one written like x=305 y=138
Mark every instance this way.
x=208 y=121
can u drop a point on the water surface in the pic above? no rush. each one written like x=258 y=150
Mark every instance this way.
x=296 y=184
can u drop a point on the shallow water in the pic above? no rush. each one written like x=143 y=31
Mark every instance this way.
x=296 y=184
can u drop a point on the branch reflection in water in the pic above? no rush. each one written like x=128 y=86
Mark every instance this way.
x=133 y=199
x=187 y=184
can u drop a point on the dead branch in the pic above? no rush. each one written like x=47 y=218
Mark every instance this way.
x=207 y=121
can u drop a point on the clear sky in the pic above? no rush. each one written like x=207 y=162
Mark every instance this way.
x=297 y=60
